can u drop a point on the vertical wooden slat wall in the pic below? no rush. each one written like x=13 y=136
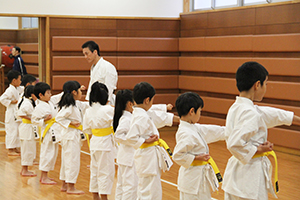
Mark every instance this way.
x=141 y=50
x=214 y=44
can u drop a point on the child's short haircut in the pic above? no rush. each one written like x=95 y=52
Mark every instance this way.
x=142 y=91
x=92 y=46
x=186 y=101
x=41 y=88
x=248 y=74
x=99 y=93
x=18 y=49
x=13 y=74
x=28 y=78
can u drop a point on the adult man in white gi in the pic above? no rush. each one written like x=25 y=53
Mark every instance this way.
x=101 y=70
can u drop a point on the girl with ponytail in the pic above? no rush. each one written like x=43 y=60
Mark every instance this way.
x=98 y=121
x=27 y=131
x=70 y=118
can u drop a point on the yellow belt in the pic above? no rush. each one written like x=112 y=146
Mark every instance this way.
x=26 y=121
x=213 y=165
x=49 y=123
x=161 y=143
x=86 y=135
x=101 y=132
x=271 y=153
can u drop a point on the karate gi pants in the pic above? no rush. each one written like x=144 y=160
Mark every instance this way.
x=48 y=155
x=127 y=183
x=102 y=172
x=28 y=152
x=70 y=160
x=149 y=187
x=12 y=139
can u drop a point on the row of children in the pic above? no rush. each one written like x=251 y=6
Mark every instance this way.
x=142 y=154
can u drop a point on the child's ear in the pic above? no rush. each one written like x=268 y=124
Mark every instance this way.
x=41 y=95
x=192 y=111
x=147 y=100
x=256 y=85
x=74 y=92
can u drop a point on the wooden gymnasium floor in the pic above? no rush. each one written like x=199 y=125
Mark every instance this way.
x=15 y=187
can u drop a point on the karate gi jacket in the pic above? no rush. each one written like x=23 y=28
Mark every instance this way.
x=158 y=113
x=246 y=128
x=41 y=111
x=147 y=160
x=26 y=130
x=106 y=73
x=96 y=117
x=68 y=114
x=192 y=140
x=11 y=93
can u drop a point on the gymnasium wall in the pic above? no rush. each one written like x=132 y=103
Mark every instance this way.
x=27 y=40
x=213 y=44
x=140 y=49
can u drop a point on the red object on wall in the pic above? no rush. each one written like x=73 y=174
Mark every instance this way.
x=6 y=58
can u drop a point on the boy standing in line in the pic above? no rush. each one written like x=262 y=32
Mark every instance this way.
x=248 y=171
x=150 y=157
x=10 y=99
x=196 y=174
x=43 y=116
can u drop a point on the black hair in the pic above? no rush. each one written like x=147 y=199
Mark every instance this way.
x=141 y=91
x=186 y=101
x=13 y=74
x=248 y=74
x=29 y=90
x=122 y=97
x=28 y=78
x=41 y=88
x=99 y=94
x=92 y=46
x=67 y=98
x=18 y=49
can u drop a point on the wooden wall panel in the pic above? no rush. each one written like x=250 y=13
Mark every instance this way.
x=277 y=43
x=147 y=63
x=275 y=66
x=231 y=18
x=157 y=81
x=28 y=47
x=8 y=36
x=278 y=14
x=27 y=36
x=148 y=44
x=75 y=63
x=64 y=43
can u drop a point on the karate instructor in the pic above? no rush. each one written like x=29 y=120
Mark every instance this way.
x=101 y=70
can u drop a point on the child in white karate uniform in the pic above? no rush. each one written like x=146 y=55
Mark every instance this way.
x=248 y=171
x=150 y=157
x=127 y=178
x=10 y=99
x=196 y=175
x=28 y=133
x=70 y=117
x=43 y=116
x=98 y=121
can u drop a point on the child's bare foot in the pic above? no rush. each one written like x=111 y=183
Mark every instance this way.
x=64 y=187
x=47 y=181
x=12 y=153
x=17 y=150
x=35 y=163
x=72 y=190
x=28 y=173
x=75 y=192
